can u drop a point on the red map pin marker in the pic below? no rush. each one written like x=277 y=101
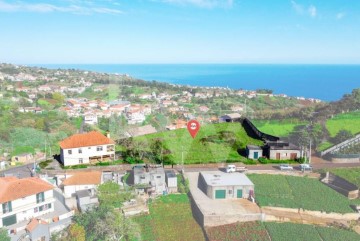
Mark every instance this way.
x=193 y=127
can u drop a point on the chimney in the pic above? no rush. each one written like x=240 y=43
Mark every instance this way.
x=108 y=134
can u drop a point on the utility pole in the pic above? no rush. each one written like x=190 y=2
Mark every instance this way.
x=310 y=152
x=182 y=159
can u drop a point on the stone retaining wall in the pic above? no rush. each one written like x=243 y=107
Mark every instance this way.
x=315 y=214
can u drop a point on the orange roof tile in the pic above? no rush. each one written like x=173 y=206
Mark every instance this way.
x=12 y=188
x=33 y=224
x=92 y=138
x=83 y=178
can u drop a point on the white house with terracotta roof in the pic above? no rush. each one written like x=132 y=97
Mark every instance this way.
x=80 y=181
x=23 y=199
x=86 y=148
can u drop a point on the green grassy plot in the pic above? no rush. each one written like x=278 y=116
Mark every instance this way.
x=170 y=218
x=277 y=127
x=213 y=143
x=348 y=121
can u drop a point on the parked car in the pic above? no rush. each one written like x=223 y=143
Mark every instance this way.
x=286 y=167
x=305 y=167
x=232 y=168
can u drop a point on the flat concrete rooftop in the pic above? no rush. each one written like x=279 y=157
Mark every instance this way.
x=218 y=178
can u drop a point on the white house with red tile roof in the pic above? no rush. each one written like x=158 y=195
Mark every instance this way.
x=80 y=181
x=22 y=199
x=86 y=148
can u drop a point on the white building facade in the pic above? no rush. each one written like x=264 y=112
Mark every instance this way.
x=86 y=148
x=34 y=204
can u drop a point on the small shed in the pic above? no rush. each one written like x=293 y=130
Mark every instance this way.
x=171 y=181
x=280 y=150
x=253 y=152
x=220 y=185
x=86 y=199
x=230 y=117
x=24 y=158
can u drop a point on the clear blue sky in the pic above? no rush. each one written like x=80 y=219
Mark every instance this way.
x=180 y=31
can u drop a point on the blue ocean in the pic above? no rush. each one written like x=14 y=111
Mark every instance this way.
x=325 y=82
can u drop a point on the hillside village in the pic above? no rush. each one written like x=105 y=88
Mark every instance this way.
x=105 y=156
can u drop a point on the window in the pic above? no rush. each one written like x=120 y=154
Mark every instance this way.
x=41 y=208
x=80 y=150
x=40 y=197
x=230 y=192
x=7 y=207
x=69 y=152
x=99 y=148
x=36 y=210
x=80 y=161
x=110 y=148
x=158 y=176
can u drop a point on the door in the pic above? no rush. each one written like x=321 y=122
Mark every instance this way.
x=277 y=156
x=256 y=155
x=9 y=220
x=220 y=194
x=293 y=156
x=239 y=193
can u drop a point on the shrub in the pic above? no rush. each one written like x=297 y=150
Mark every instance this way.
x=263 y=160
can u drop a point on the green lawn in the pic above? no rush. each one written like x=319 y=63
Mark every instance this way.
x=170 y=218
x=277 y=127
x=348 y=121
x=304 y=232
x=222 y=143
x=113 y=91
x=299 y=192
x=324 y=145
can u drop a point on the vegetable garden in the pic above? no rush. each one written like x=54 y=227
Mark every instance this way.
x=299 y=192
x=257 y=231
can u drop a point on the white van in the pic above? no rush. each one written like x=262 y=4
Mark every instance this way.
x=230 y=168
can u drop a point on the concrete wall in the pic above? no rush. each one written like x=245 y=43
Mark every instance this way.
x=314 y=214
x=345 y=160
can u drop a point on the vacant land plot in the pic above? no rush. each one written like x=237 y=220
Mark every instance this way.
x=348 y=121
x=213 y=143
x=350 y=174
x=170 y=218
x=277 y=127
x=254 y=231
x=299 y=192
x=303 y=232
